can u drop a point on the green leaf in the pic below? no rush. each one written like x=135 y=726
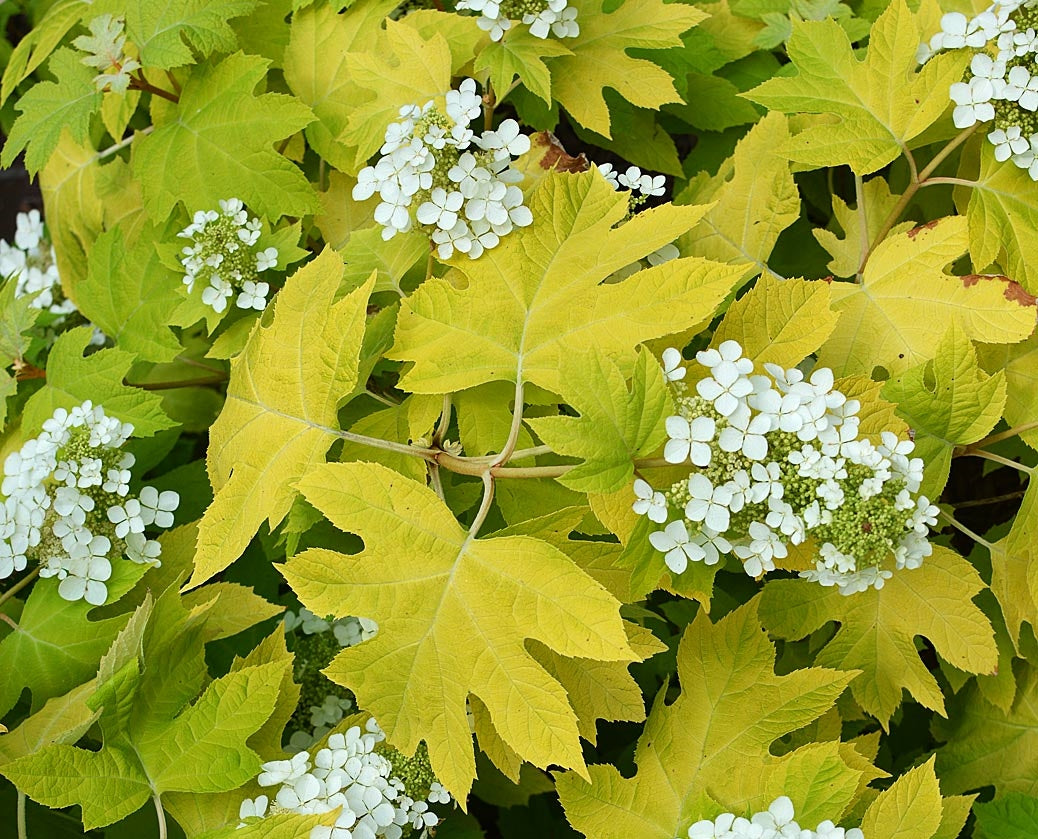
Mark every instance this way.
x=1014 y=570
x=281 y=413
x=538 y=296
x=779 y=321
x=58 y=645
x=73 y=379
x=615 y=425
x=367 y=251
x=883 y=102
x=63 y=719
x=17 y=318
x=949 y=402
x=985 y=746
x=453 y=620
x=599 y=58
x=173 y=34
x=1009 y=817
x=708 y=750
x=1019 y=363
x=898 y=314
x=129 y=294
x=154 y=741
x=1003 y=215
x=755 y=197
x=520 y=55
x=878 y=629
x=217 y=144
x=50 y=108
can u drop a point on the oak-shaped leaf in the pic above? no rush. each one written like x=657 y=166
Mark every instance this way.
x=51 y=107
x=709 y=749
x=454 y=615
x=948 y=401
x=515 y=312
x=987 y=746
x=878 y=629
x=281 y=413
x=218 y=143
x=73 y=378
x=898 y=314
x=615 y=424
x=157 y=737
x=883 y=101
x=598 y=58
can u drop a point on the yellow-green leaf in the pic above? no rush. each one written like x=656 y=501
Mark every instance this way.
x=755 y=197
x=538 y=295
x=878 y=628
x=911 y=809
x=883 y=102
x=454 y=614
x=281 y=413
x=897 y=315
x=950 y=402
x=779 y=321
x=710 y=746
x=599 y=58
x=520 y=54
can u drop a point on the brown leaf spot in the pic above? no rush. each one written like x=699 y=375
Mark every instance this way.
x=555 y=157
x=915 y=231
x=1013 y=290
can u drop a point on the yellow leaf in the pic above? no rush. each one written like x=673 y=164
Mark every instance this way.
x=513 y=313
x=1014 y=569
x=454 y=615
x=755 y=197
x=401 y=68
x=858 y=233
x=779 y=321
x=599 y=58
x=1019 y=363
x=281 y=413
x=897 y=315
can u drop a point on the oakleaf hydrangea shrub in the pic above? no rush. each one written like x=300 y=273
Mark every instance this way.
x=69 y=507
x=381 y=792
x=437 y=174
x=778 y=459
x=645 y=433
x=1001 y=85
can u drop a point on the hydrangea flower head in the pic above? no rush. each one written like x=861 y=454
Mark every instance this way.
x=1000 y=87
x=223 y=260
x=775 y=458
x=543 y=17
x=381 y=792
x=67 y=504
x=435 y=173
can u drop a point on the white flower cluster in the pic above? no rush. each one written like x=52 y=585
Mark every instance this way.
x=777 y=458
x=435 y=171
x=321 y=640
x=68 y=504
x=543 y=17
x=642 y=187
x=30 y=263
x=222 y=257
x=1002 y=82
x=354 y=771
x=774 y=823
x=106 y=45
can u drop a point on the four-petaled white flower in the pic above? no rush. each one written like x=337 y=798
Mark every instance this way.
x=649 y=502
x=673 y=371
x=677 y=546
x=708 y=504
x=689 y=440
